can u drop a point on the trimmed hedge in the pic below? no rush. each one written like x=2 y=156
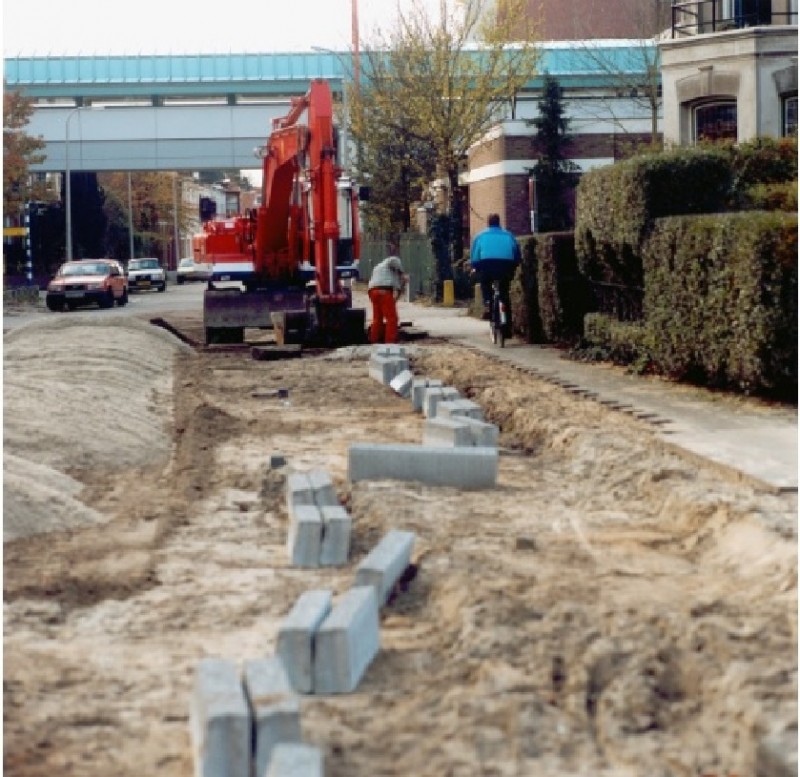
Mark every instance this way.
x=563 y=293
x=721 y=300
x=763 y=161
x=617 y=205
x=621 y=342
x=525 y=319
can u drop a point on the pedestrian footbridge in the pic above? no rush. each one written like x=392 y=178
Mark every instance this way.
x=162 y=112
x=210 y=111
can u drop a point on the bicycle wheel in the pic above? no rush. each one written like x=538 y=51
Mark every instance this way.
x=498 y=329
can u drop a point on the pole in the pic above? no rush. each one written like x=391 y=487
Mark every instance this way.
x=130 y=217
x=356 y=47
x=68 y=175
x=68 y=172
x=28 y=246
x=175 y=228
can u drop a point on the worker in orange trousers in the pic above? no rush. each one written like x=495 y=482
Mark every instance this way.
x=385 y=286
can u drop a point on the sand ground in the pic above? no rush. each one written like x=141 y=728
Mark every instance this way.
x=610 y=608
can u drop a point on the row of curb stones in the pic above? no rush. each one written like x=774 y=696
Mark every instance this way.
x=459 y=447
x=247 y=722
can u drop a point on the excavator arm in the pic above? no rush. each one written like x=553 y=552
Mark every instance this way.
x=295 y=229
x=284 y=179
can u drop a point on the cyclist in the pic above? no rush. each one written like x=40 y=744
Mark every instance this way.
x=494 y=256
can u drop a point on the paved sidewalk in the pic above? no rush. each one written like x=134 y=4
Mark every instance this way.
x=756 y=440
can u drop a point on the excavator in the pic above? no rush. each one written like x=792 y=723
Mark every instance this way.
x=285 y=265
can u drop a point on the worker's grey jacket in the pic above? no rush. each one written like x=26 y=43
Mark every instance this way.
x=388 y=274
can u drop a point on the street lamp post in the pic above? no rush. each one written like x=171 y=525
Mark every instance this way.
x=68 y=172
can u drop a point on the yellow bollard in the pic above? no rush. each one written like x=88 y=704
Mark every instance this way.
x=448 y=294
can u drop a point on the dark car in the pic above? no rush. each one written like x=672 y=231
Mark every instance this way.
x=146 y=274
x=99 y=282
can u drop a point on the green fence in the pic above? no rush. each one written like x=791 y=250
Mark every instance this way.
x=415 y=253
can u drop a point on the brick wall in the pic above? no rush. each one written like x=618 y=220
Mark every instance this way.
x=561 y=20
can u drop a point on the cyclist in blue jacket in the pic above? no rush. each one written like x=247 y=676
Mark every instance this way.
x=494 y=256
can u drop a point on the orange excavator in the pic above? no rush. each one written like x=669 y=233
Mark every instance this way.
x=285 y=264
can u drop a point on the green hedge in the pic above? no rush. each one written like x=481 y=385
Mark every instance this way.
x=617 y=205
x=563 y=292
x=763 y=161
x=721 y=299
x=525 y=319
x=621 y=342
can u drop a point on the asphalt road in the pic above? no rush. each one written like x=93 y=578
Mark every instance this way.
x=186 y=297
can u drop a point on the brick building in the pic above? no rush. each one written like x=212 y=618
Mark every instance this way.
x=605 y=123
x=559 y=20
x=594 y=53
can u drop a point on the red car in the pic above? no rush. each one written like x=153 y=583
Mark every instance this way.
x=87 y=282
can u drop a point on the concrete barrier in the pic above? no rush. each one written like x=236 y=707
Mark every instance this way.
x=484 y=435
x=305 y=536
x=295 y=760
x=382 y=567
x=274 y=707
x=219 y=721
x=296 y=635
x=390 y=350
x=401 y=383
x=459 y=408
x=459 y=432
x=299 y=491
x=435 y=395
x=322 y=487
x=466 y=468
x=347 y=641
x=418 y=387
x=336 y=530
x=384 y=368
x=447 y=432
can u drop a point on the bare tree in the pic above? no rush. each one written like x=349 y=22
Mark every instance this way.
x=443 y=82
x=632 y=68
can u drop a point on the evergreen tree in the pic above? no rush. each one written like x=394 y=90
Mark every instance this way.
x=554 y=173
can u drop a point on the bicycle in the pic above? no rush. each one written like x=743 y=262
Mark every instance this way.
x=498 y=316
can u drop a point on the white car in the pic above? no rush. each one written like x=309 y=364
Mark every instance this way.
x=189 y=270
x=146 y=274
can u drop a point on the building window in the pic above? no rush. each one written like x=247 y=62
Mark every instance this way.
x=715 y=121
x=790 y=115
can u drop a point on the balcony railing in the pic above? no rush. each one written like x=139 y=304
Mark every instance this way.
x=700 y=17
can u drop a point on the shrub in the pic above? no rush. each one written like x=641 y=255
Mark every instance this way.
x=770 y=196
x=526 y=321
x=721 y=300
x=621 y=342
x=618 y=204
x=562 y=292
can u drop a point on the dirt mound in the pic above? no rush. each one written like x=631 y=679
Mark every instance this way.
x=80 y=395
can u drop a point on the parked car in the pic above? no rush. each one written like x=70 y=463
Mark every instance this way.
x=189 y=270
x=87 y=282
x=146 y=274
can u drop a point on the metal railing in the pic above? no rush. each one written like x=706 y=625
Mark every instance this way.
x=701 y=17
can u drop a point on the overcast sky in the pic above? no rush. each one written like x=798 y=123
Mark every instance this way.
x=186 y=26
